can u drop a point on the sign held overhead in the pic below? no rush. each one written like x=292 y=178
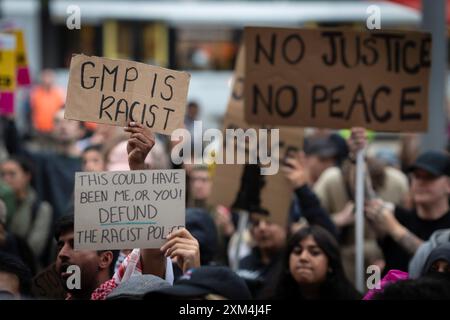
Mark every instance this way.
x=128 y=209
x=335 y=78
x=117 y=91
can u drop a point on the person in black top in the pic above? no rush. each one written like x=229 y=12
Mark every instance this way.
x=260 y=265
x=401 y=232
x=311 y=269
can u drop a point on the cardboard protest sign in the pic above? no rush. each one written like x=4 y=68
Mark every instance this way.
x=276 y=195
x=7 y=72
x=117 y=91
x=128 y=209
x=336 y=78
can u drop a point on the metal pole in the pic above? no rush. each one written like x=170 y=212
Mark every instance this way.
x=242 y=225
x=359 y=230
x=433 y=20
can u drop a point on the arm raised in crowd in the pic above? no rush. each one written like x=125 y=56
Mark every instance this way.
x=139 y=145
x=382 y=218
x=379 y=213
x=296 y=172
x=181 y=245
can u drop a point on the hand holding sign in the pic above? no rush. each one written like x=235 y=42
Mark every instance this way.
x=182 y=246
x=139 y=145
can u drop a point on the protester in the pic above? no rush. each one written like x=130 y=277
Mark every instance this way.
x=322 y=153
x=192 y=114
x=438 y=261
x=401 y=231
x=439 y=237
x=92 y=159
x=15 y=278
x=311 y=269
x=46 y=99
x=54 y=170
x=97 y=267
x=260 y=265
x=297 y=174
x=98 y=278
x=202 y=227
x=199 y=186
x=14 y=245
x=336 y=192
x=32 y=218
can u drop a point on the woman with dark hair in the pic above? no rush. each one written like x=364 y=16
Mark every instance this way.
x=311 y=269
x=32 y=219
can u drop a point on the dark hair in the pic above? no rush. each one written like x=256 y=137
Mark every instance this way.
x=66 y=224
x=94 y=147
x=336 y=285
x=12 y=264
x=25 y=164
x=192 y=104
x=425 y=288
x=258 y=210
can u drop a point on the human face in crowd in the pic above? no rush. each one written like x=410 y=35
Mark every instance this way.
x=118 y=158
x=92 y=161
x=66 y=131
x=9 y=285
x=90 y=263
x=441 y=266
x=267 y=234
x=200 y=183
x=14 y=176
x=308 y=264
x=428 y=189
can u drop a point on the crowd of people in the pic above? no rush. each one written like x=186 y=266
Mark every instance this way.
x=214 y=257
